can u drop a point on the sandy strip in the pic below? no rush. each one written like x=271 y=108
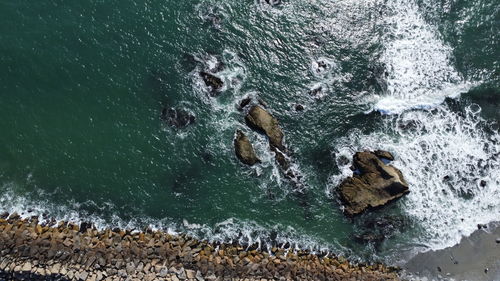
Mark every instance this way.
x=475 y=258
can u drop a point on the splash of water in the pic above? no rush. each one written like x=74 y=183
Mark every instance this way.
x=451 y=164
x=420 y=72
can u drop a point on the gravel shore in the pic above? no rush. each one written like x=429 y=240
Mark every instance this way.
x=45 y=250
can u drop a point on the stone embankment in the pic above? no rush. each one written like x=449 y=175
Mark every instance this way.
x=45 y=250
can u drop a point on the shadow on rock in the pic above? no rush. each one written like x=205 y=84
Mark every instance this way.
x=374 y=183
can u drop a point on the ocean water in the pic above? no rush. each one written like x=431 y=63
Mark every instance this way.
x=83 y=85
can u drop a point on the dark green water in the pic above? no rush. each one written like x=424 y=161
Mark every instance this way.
x=82 y=87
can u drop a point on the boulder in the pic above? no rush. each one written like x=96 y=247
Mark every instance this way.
x=374 y=184
x=212 y=81
x=244 y=102
x=177 y=117
x=299 y=107
x=259 y=119
x=244 y=149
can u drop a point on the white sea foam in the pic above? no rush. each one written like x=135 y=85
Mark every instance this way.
x=420 y=71
x=228 y=67
x=450 y=163
x=230 y=230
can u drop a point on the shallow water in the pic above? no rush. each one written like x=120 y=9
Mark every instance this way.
x=82 y=87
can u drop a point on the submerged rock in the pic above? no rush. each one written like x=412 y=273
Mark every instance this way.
x=213 y=82
x=375 y=229
x=177 y=117
x=261 y=120
x=244 y=149
x=368 y=237
x=374 y=185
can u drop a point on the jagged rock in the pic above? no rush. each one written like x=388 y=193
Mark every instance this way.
x=14 y=216
x=282 y=160
x=244 y=102
x=384 y=154
x=299 y=107
x=261 y=120
x=177 y=117
x=212 y=81
x=374 y=184
x=480 y=226
x=244 y=149
x=84 y=226
x=316 y=91
x=26 y=267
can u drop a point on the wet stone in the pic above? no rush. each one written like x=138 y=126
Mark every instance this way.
x=192 y=259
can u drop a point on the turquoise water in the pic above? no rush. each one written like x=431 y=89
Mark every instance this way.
x=82 y=87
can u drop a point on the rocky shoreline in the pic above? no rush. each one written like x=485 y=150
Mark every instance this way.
x=31 y=249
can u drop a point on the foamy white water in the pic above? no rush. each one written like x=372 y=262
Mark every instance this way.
x=420 y=71
x=450 y=163
x=245 y=232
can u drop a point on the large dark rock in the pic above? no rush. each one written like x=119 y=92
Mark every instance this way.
x=244 y=149
x=259 y=119
x=213 y=82
x=374 y=184
x=177 y=117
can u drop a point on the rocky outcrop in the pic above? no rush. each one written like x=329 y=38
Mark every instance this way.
x=374 y=184
x=259 y=119
x=213 y=82
x=177 y=117
x=244 y=149
x=45 y=250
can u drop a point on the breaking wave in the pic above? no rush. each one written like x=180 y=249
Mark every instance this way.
x=419 y=64
x=451 y=163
